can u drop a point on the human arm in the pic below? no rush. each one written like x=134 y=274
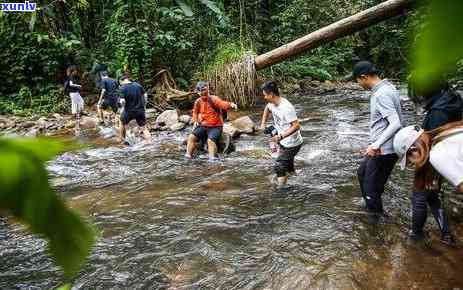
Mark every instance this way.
x=72 y=84
x=195 y=117
x=392 y=128
x=264 y=118
x=223 y=105
x=101 y=96
x=295 y=126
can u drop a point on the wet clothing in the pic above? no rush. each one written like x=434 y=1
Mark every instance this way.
x=204 y=133
x=283 y=115
x=133 y=93
x=443 y=108
x=384 y=103
x=138 y=116
x=373 y=174
x=207 y=114
x=285 y=161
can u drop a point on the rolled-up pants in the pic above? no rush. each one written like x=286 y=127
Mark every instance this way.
x=373 y=174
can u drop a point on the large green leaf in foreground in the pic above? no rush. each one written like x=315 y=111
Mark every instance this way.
x=26 y=194
x=439 y=44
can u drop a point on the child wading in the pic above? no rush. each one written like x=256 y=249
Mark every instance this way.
x=288 y=134
x=385 y=121
x=109 y=98
x=134 y=99
x=72 y=86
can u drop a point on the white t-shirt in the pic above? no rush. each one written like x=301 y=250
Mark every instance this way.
x=283 y=115
x=447 y=158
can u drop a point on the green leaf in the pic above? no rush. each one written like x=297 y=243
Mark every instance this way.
x=211 y=5
x=185 y=8
x=32 y=21
x=439 y=44
x=27 y=195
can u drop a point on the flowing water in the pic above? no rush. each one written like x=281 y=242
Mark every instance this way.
x=168 y=223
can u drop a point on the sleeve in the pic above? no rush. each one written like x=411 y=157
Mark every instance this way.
x=291 y=114
x=195 y=111
x=385 y=105
x=392 y=128
x=221 y=104
x=123 y=91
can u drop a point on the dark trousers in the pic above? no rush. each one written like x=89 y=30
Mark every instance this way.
x=373 y=174
x=285 y=161
x=420 y=201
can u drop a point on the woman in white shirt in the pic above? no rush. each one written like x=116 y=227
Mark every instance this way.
x=433 y=153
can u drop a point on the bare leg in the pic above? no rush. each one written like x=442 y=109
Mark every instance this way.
x=211 y=148
x=282 y=180
x=100 y=114
x=122 y=133
x=77 y=128
x=460 y=188
x=191 y=145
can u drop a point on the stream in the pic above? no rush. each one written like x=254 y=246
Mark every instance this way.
x=168 y=223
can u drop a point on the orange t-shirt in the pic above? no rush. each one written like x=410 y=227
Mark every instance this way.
x=206 y=115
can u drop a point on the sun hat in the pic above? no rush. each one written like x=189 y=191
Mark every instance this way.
x=403 y=140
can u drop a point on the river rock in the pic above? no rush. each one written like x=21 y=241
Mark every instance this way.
x=28 y=124
x=168 y=118
x=226 y=145
x=230 y=130
x=184 y=119
x=177 y=127
x=32 y=133
x=56 y=116
x=88 y=122
x=42 y=123
x=245 y=125
x=70 y=124
x=150 y=113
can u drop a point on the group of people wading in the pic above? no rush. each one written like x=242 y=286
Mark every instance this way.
x=435 y=149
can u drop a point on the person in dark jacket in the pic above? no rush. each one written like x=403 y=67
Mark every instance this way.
x=442 y=106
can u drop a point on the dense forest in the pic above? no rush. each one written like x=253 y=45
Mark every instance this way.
x=185 y=37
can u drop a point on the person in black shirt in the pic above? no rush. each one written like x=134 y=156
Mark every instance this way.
x=73 y=88
x=109 y=97
x=134 y=98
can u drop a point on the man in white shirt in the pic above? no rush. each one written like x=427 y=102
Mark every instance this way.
x=287 y=125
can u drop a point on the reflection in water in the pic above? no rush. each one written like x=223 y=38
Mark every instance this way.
x=167 y=223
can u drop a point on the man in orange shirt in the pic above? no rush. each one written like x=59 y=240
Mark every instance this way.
x=207 y=120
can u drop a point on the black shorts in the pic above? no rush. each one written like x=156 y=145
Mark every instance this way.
x=109 y=103
x=285 y=161
x=204 y=133
x=128 y=116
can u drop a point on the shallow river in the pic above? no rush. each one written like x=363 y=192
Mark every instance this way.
x=166 y=223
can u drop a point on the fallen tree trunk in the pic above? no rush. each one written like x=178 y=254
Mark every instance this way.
x=346 y=26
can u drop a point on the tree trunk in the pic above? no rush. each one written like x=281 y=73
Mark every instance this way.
x=346 y=26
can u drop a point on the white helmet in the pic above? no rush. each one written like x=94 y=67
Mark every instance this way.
x=403 y=140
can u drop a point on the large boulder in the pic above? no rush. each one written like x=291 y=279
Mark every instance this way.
x=168 y=118
x=88 y=122
x=184 y=119
x=230 y=130
x=245 y=125
x=177 y=126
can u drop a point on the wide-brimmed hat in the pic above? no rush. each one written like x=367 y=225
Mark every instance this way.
x=403 y=140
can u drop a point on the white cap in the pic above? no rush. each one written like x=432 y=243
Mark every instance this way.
x=403 y=140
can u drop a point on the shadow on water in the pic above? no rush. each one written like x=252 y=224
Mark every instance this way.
x=167 y=223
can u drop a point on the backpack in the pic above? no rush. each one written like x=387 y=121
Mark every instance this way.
x=67 y=86
x=221 y=112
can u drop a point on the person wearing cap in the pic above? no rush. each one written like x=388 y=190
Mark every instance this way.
x=207 y=121
x=288 y=135
x=442 y=105
x=134 y=98
x=385 y=120
x=434 y=154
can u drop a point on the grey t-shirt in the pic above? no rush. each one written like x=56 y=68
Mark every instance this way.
x=384 y=102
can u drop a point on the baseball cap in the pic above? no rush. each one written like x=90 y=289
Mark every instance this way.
x=403 y=140
x=362 y=68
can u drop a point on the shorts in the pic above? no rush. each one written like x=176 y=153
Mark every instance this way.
x=77 y=103
x=285 y=161
x=128 y=116
x=109 y=103
x=204 y=133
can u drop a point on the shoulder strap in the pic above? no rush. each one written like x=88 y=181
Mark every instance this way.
x=446 y=134
x=212 y=104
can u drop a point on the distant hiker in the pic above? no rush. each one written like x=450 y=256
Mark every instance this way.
x=434 y=153
x=288 y=136
x=442 y=105
x=109 y=98
x=208 y=121
x=385 y=120
x=134 y=98
x=72 y=87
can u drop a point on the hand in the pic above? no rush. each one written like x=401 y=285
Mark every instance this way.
x=370 y=151
x=234 y=106
x=276 y=138
x=195 y=124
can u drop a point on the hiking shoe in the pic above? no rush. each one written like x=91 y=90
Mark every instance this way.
x=448 y=240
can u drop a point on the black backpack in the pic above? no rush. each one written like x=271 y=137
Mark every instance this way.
x=223 y=113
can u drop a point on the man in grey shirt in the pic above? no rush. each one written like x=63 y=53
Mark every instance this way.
x=385 y=120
